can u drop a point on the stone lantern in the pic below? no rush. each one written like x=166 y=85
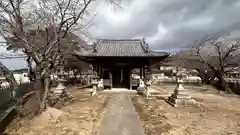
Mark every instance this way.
x=180 y=97
x=71 y=74
x=142 y=88
x=100 y=85
x=60 y=87
x=94 y=83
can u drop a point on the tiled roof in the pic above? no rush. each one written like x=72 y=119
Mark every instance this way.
x=122 y=47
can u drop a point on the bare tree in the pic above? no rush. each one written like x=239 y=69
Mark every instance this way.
x=187 y=59
x=214 y=57
x=39 y=28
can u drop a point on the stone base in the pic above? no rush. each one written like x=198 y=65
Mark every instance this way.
x=57 y=92
x=93 y=93
x=61 y=87
x=180 y=100
x=100 y=88
x=180 y=96
x=141 y=90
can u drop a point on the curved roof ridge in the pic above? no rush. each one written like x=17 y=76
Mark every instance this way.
x=120 y=40
x=123 y=47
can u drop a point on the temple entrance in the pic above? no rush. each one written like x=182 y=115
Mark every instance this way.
x=118 y=57
x=120 y=77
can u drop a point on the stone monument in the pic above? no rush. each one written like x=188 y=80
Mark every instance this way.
x=180 y=97
x=60 y=87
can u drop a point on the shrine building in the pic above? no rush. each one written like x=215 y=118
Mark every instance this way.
x=115 y=59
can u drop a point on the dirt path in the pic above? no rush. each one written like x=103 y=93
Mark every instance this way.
x=121 y=118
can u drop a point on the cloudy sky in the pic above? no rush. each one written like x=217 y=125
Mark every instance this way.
x=167 y=24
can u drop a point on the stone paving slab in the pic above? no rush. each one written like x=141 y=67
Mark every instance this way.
x=121 y=117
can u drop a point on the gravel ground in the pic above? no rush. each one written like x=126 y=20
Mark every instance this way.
x=218 y=114
x=81 y=117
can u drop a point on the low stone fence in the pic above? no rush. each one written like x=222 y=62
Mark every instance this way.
x=235 y=87
x=234 y=84
x=82 y=80
x=188 y=80
x=6 y=98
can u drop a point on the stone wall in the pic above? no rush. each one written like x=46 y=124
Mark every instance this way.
x=160 y=78
x=235 y=87
x=5 y=94
x=234 y=84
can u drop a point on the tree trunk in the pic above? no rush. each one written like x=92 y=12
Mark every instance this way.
x=212 y=79
x=205 y=78
x=222 y=83
x=45 y=93
x=31 y=73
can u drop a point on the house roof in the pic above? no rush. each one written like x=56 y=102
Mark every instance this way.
x=121 y=48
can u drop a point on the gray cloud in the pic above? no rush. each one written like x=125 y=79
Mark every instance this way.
x=168 y=24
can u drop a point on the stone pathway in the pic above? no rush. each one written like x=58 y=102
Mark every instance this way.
x=121 y=117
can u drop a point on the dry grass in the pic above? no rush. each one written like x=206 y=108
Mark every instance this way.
x=216 y=115
x=81 y=117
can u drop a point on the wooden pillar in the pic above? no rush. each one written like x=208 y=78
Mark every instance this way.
x=130 y=79
x=110 y=79
x=99 y=71
x=149 y=72
x=141 y=73
x=144 y=73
